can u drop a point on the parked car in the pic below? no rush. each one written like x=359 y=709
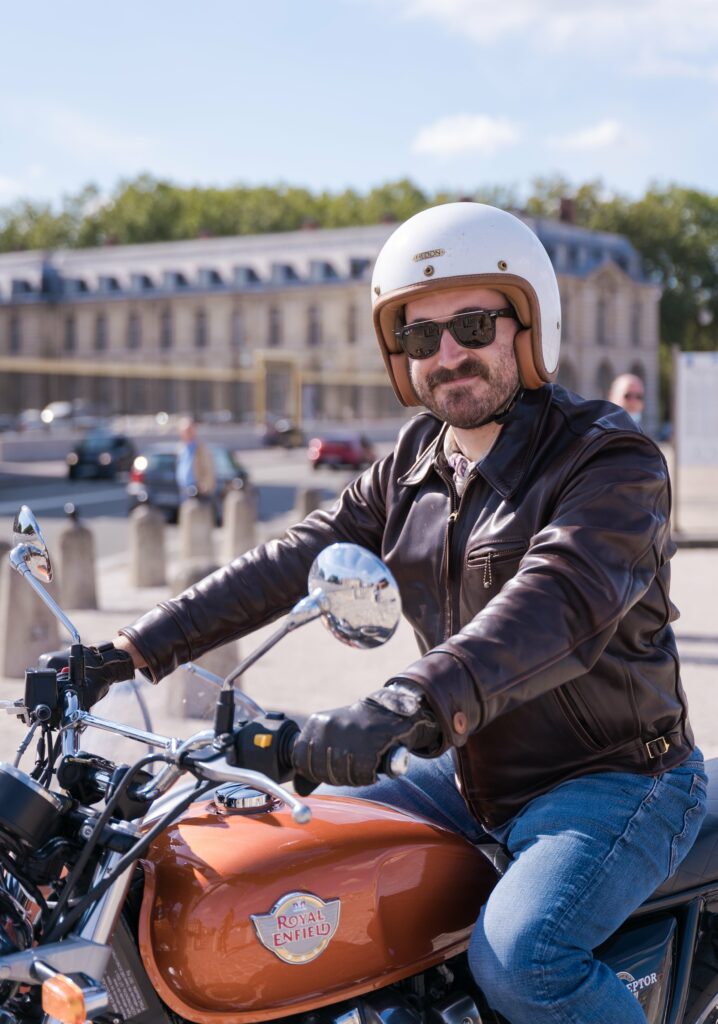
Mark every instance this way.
x=100 y=454
x=153 y=478
x=352 y=451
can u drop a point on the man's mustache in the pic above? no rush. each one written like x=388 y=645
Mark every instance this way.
x=468 y=368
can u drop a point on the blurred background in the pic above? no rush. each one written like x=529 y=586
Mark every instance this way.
x=191 y=202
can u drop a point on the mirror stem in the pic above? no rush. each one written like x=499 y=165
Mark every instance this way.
x=305 y=611
x=19 y=564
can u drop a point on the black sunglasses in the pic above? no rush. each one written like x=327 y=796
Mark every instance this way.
x=474 y=329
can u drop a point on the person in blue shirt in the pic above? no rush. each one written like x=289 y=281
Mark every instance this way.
x=195 y=469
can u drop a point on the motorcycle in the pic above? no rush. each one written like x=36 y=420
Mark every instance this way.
x=130 y=897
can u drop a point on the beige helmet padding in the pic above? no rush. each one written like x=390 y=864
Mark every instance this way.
x=468 y=245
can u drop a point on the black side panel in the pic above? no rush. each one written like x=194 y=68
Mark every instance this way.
x=132 y=997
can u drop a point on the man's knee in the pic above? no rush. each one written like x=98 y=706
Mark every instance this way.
x=504 y=953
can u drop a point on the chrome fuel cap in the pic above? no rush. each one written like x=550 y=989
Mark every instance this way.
x=237 y=799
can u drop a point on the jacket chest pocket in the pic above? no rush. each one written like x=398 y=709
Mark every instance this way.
x=493 y=564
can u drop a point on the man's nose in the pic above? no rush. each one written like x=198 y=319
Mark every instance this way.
x=450 y=351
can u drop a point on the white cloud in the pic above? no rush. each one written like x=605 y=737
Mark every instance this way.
x=646 y=32
x=604 y=135
x=465 y=133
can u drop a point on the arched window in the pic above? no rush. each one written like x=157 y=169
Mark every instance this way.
x=200 y=328
x=636 y=323
x=275 y=327
x=601 y=315
x=236 y=328
x=314 y=327
x=352 y=324
x=100 y=332
x=70 y=336
x=15 y=339
x=166 y=328
x=134 y=331
x=604 y=376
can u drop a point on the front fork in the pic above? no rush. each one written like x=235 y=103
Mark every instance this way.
x=98 y=926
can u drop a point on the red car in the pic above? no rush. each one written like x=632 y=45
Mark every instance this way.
x=352 y=452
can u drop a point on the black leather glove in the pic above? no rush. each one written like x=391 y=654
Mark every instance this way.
x=105 y=664
x=345 y=747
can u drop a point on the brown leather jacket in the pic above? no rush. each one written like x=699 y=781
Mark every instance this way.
x=539 y=600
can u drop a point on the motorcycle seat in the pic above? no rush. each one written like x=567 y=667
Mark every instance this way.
x=700 y=867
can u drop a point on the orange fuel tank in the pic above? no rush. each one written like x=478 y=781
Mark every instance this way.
x=250 y=918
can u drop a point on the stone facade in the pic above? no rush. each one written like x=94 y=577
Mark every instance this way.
x=273 y=325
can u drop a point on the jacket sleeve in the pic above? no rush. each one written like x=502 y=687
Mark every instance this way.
x=262 y=584
x=604 y=542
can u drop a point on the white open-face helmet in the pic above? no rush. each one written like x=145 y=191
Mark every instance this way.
x=465 y=244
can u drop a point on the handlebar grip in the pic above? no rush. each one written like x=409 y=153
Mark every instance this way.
x=394 y=764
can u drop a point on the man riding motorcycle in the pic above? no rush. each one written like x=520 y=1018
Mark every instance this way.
x=528 y=530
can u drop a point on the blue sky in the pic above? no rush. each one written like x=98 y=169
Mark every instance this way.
x=457 y=94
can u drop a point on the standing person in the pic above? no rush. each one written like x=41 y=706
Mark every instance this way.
x=528 y=530
x=627 y=391
x=195 y=468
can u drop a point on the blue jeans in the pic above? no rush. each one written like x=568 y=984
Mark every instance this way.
x=584 y=856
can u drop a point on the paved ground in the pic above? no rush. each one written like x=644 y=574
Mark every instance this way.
x=310 y=669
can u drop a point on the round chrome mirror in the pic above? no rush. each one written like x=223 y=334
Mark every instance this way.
x=357 y=595
x=30 y=544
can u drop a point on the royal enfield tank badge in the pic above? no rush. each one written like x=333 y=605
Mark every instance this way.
x=299 y=926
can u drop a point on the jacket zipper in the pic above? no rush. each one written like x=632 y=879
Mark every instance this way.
x=451 y=519
x=490 y=558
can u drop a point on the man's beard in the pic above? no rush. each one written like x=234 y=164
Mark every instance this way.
x=460 y=406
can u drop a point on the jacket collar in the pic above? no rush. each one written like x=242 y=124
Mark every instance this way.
x=505 y=466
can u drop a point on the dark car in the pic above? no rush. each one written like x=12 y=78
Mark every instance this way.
x=153 y=478
x=351 y=451
x=100 y=454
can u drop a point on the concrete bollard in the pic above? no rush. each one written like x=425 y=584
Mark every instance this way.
x=196 y=523
x=147 y=547
x=76 y=570
x=308 y=499
x=188 y=696
x=27 y=626
x=239 y=518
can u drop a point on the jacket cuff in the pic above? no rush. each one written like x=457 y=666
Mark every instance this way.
x=449 y=692
x=167 y=638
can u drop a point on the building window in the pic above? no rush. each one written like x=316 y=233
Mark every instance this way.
x=604 y=377
x=15 y=340
x=601 y=315
x=314 y=327
x=166 y=329
x=70 y=339
x=565 y=322
x=275 y=327
x=134 y=331
x=200 y=328
x=100 y=332
x=236 y=328
x=352 y=324
x=636 y=311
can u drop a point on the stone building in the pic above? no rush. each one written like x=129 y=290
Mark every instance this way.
x=273 y=325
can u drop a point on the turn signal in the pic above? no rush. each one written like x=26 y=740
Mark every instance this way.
x=63 y=1000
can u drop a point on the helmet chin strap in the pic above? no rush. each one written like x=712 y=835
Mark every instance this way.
x=503 y=413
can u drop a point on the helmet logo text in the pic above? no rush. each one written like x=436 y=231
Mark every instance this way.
x=299 y=927
x=430 y=254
